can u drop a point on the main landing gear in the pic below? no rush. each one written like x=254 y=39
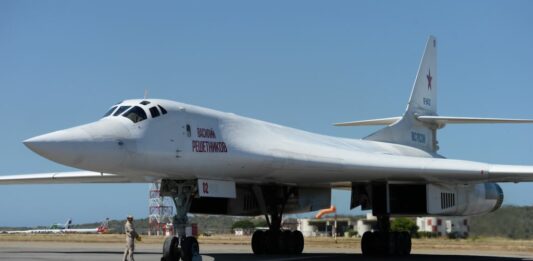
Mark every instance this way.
x=180 y=246
x=385 y=242
x=275 y=240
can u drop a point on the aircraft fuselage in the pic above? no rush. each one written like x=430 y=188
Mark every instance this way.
x=192 y=142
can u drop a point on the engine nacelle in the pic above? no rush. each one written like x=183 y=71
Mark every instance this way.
x=463 y=200
x=427 y=199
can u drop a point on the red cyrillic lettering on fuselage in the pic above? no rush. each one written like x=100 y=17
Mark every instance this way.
x=209 y=146
x=206 y=133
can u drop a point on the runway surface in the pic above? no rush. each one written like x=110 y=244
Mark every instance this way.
x=50 y=251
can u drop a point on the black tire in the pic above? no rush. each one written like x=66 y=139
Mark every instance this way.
x=271 y=242
x=189 y=248
x=299 y=242
x=392 y=243
x=258 y=242
x=171 y=251
x=367 y=244
x=383 y=243
x=398 y=244
x=291 y=243
x=407 y=243
x=284 y=242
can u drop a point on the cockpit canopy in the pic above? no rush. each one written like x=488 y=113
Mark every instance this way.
x=136 y=113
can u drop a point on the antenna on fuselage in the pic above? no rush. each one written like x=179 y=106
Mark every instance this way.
x=145 y=93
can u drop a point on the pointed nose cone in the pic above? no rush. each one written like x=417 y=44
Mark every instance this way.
x=55 y=145
x=97 y=146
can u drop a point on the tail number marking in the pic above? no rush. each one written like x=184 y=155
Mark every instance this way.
x=205 y=187
x=418 y=137
x=427 y=102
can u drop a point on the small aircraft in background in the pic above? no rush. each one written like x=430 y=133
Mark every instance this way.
x=62 y=226
x=65 y=229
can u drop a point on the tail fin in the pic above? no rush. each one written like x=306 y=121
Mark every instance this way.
x=104 y=227
x=423 y=101
x=68 y=223
x=418 y=125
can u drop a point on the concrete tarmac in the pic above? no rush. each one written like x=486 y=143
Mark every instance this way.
x=57 y=251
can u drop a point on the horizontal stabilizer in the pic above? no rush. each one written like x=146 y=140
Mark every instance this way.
x=443 y=120
x=438 y=120
x=384 y=121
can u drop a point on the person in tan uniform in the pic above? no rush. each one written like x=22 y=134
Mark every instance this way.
x=131 y=235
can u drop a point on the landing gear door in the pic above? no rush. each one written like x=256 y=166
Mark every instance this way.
x=216 y=188
x=361 y=196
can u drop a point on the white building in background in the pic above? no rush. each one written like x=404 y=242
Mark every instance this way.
x=324 y=227
x=368 y=224
x=306 y=228
x=243 y=231
x=443 y=226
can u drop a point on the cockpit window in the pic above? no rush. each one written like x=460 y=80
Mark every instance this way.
x=120 y=110
x=145 y=102
x=110 y=111
x=162 y=109
x=154 y=111
x=135 y=114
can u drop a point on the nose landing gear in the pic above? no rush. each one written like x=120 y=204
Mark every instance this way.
x=181 y=246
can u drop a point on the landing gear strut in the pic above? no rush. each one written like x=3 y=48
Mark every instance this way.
x=181 y=246
x=385 y=242
x=275 y=240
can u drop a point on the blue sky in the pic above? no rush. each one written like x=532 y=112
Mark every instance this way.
x=305 y=64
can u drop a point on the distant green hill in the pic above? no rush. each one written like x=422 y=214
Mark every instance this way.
x=509 y=221
x=206 y=223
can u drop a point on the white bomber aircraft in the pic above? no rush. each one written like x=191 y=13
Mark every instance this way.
x=221 y=163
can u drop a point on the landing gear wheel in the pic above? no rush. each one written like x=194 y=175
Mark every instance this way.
x=299 y=242
x=397 y=244
x=368 y=244
x=381 y=243
x=392 y=246
x=401 y=242
x=285 y=238
x=386 y=243
x=171 y=251
x=258 y=242
x=377 y=243
x=271 y=241
x=189 y=249
x=291 y=243
x=406 y=243
x=275 y=240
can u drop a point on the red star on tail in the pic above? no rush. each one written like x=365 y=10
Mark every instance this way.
x=429 y=79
